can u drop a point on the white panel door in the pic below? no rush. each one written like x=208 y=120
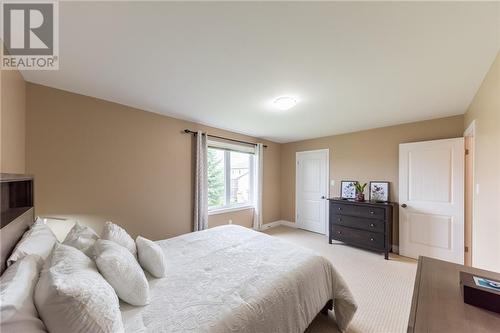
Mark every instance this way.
x=312 y=190
x=431 y=195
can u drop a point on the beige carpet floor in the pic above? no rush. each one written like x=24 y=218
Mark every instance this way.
x=382 y=288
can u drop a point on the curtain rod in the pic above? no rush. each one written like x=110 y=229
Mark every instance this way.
x=220 y=137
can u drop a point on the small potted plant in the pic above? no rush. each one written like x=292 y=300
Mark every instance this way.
x=360 y=189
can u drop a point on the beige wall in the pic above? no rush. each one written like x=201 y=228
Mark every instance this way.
x=12 y=122
x=485 y=110
x=363 y=156
x=95 y=160
x=243 y=217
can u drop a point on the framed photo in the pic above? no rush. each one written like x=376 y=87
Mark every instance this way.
x=379 y=191
x=348 y=189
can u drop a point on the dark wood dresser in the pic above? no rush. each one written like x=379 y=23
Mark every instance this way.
x=363 y=224
x=438 y=304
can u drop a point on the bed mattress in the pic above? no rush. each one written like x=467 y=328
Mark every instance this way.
x=233 y=279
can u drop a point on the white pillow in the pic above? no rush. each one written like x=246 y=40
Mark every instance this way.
x=71 y=295
x=120 y=268
x=117 y=234
x=81 y=237
x=39 y=240
x=151 y=257
x=17 y=285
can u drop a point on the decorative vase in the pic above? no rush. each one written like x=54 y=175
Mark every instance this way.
x=360 y=197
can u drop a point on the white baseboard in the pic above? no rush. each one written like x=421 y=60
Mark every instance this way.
x=288 y=224
x=270 y=225
x=277 y=224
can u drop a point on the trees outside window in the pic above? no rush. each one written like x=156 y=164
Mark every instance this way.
x=230 y=178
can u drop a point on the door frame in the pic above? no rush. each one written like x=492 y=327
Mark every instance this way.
x=469 y=224
x=327 y=187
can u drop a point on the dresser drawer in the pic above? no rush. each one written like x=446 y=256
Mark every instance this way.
x=359 y=222
x=360 y=237
x=354 y=210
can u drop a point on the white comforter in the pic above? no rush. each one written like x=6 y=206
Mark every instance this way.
x=233 y=279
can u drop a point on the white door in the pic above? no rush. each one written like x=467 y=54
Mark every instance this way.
x=431 y=195
x=312 y=190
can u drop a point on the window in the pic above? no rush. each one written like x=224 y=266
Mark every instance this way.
x=230 y=178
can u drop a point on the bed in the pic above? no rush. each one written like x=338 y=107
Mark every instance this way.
x=233 y=279
x=229 y=279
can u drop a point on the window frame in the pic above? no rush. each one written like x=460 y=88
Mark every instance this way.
x=228 y=207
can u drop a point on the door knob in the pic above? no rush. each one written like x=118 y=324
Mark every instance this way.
x=404 y=205
x=323 y=197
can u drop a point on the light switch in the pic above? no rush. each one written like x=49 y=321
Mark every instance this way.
x=332 y=182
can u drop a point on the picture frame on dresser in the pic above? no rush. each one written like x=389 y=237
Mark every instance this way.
x=348 y=189
x=379 y=191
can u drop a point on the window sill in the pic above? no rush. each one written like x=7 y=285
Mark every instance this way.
x=229 y=210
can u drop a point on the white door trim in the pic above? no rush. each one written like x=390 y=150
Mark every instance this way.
x=327 y=187
x=471 y=131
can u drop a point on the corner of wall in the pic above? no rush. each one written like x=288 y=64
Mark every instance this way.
x=484 y=109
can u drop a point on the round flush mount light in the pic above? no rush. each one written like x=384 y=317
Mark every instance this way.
x=284 y=103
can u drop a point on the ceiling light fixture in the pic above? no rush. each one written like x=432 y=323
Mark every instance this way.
x=284 y=103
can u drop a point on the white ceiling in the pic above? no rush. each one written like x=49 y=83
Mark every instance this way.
x=352 y=65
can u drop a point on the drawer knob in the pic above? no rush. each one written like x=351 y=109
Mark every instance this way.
x=372 y=225
x=339 y=232
x=339 y=219
x=371 y=239
x=372 y=212
x=340 y=208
